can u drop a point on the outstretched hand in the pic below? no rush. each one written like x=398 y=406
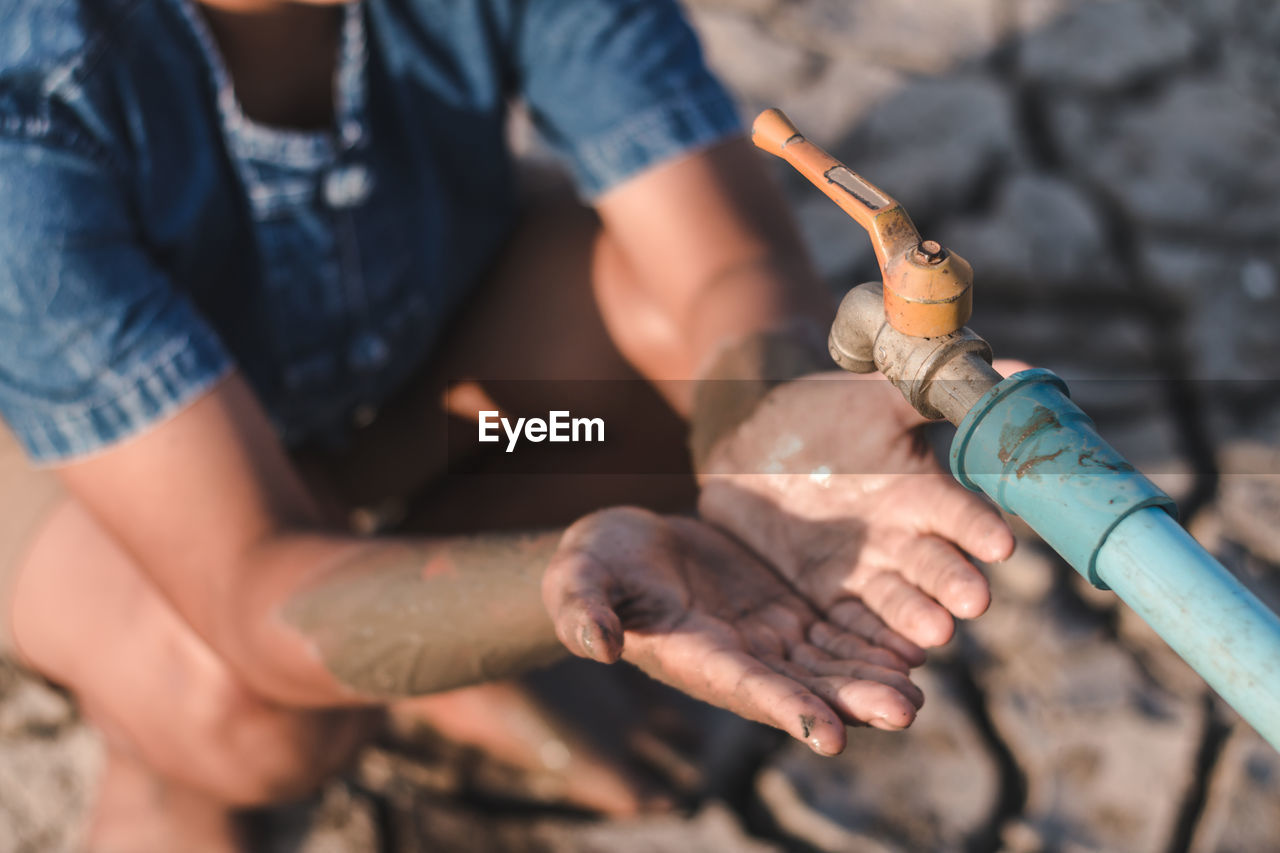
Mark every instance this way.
x=696 y=610
x=830 y=482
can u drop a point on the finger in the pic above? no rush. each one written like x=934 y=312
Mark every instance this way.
x=853 y=615
x=868 y=703
x=760 y=693
x=966 y=519
x=575 y=593
x=1006 y=367
x=820 y=662
x=843 y=644
x=907 y=610
x=699 y=664
x=942 y=572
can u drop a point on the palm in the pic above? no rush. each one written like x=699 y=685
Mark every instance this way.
x=694 y=609
x=856 y=513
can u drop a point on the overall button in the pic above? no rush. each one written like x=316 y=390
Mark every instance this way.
x=347 y=186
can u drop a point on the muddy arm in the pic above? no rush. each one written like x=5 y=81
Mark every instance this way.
x=213 y=512
x=395 y=619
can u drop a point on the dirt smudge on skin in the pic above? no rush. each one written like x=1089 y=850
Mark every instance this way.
x=807 y=722
x=399 y=619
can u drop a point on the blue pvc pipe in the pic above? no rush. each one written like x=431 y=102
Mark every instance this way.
x=1201 y=611
x=1040 y=457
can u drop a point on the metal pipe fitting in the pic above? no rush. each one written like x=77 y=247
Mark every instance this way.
x=1025 y=444
x=941 y=376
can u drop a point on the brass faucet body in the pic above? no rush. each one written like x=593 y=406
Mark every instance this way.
x=941 y=376
x=911 y=328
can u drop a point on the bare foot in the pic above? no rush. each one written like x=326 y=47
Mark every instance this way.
x=139 y=812
x=504 y=722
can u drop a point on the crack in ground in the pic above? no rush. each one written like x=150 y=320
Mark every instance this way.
x=738 y=790
x=1213 y=737
x=1182 y=403
x=1163 y=320
x=1011 y=800
x=1165 y=324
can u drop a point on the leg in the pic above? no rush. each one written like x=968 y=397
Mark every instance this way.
x=186 y=743
x=177 y=720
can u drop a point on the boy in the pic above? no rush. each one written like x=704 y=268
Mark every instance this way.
x=237 y=237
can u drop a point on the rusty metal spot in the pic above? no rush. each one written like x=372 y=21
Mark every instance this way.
x=1087 y=459
x=1011 y=436
x=1025 y=467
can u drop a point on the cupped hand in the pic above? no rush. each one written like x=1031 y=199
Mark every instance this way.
x=696 y=610
x=831 y=482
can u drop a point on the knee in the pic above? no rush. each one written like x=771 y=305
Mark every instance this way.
x=256 y=753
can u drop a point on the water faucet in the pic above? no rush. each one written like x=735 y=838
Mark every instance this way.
x=911 y=326
x=1023 y=442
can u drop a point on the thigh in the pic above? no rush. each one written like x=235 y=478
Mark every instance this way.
x=86 y=617
x=27 y=496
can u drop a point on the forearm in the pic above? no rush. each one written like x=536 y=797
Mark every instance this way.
x=703 y=277
x=212 y=511
x=747 y=324
x=743 y=372
x=774 y=294
x=322 y=621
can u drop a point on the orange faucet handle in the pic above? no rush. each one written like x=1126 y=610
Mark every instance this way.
x=772 y=130
x=871 y=207
x=926 y=288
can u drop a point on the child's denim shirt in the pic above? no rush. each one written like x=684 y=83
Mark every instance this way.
x=152 y=236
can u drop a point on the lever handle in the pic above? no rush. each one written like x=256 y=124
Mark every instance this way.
x=773 y=132
x=926 y=288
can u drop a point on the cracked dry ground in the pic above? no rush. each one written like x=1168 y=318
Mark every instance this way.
x=1111 y=170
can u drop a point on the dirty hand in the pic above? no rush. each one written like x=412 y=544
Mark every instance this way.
x=830 y=481
x=693 y=608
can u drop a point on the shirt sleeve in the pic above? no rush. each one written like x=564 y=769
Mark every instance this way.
x=618 y=86
x=96 y=343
